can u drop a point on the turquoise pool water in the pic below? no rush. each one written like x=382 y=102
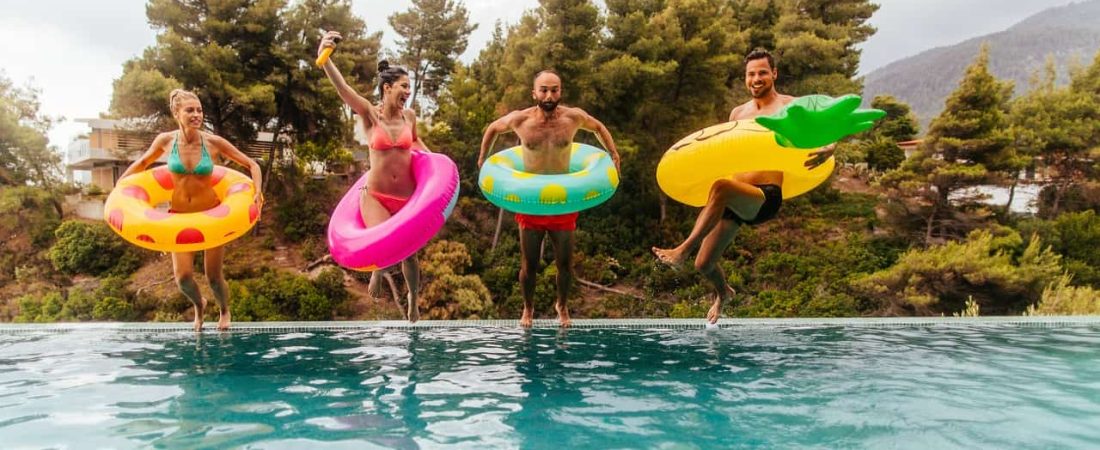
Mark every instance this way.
x=986 y=385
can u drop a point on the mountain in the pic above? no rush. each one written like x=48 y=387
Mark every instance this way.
x=1069 y=33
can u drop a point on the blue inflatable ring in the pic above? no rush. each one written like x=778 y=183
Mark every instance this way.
x=591 y=180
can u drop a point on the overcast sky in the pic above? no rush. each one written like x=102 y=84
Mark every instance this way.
x=72 y=50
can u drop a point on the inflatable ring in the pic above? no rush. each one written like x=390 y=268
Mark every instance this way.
x=780 y=142
x=591 y=180
x=357 y=247
x=130 y=211
x=687 y=171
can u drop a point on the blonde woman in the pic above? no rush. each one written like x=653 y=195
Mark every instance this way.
x=191 y=155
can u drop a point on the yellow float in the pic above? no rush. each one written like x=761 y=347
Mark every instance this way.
x=131 y=212
x=690 y=167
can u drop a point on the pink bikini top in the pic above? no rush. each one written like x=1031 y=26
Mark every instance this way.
x=380 y=139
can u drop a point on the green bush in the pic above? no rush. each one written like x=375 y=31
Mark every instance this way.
x=31 y=210
x=448 y=292
x=34 y=309
x=330 y=283
x=113 y=308
x=92 y=249
x=28 y=218
x=688 y=309
x=464 y=297
x=883 y=154
x=29 y=309
x=78 y=307
x=304 y=209
x=1076 y=236
x=313 y=247
x=248 y=307
x=1075 y=198
x=279 y=295
x=314 y=306
x=939 y=280
x=110 y=301
x=1059 y=298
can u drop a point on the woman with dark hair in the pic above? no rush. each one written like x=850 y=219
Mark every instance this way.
x=191 y=155
x=391 y=131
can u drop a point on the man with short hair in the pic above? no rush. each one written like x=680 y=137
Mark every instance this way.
x=749 y=198
x=546 y=132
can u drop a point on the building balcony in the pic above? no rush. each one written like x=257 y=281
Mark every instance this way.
x=82 y=156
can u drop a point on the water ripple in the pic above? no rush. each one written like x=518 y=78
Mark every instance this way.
x=825 y=387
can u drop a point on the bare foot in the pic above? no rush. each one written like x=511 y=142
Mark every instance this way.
x=528 y=317
x=223 y=320
x=672 y=257
x=200 y=310
x=716 y=309
x=563 y=315
x=374 y=287
x=414 y=311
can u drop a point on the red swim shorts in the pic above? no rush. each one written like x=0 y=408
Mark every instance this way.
x=563 y=222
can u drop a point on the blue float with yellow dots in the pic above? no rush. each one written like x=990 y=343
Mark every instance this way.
x=591 y=180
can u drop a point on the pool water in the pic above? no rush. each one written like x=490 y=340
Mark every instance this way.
x=989 y=386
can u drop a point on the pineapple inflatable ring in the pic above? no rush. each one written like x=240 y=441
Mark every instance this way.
x=131 y=212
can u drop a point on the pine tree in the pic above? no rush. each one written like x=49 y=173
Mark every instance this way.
x=816 y=44
x=25 y=157
x=968 y=138
x=433 y=35
x=307 y=105
x=251 y=64
x=880 y=145
x=1060 y=126
x=558 y=35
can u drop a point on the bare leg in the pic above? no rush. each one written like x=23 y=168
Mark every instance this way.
x=529 y=243
x=212 y=262
x=374 y=287
x=411 y=269
x=183 y=267
x=373 y=213
x=563 y=258
x=706 y=262
x=743 y=198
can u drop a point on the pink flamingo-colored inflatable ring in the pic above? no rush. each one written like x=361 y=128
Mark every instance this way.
x=357 y=247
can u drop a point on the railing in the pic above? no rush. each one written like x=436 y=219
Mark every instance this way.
x=82 y=151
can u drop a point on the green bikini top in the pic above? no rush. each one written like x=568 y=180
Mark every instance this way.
x=204 y=167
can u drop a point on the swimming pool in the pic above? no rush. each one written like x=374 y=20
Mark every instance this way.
x=935 y=383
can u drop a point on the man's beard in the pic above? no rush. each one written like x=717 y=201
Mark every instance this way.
x=763 y=92
x=548 y=106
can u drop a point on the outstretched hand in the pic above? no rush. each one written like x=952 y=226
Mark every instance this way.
x=816 y=120
x=818 y=157
x=329 y=40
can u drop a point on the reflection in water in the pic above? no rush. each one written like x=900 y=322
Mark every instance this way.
x=512 y=388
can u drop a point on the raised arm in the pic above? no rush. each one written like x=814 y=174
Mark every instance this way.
x=360 y=105
x=595 y=126
x=501 y=125
x=150 y=156
x=231 y=152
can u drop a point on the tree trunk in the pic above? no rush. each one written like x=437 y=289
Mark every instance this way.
x=583 y=282
x=418 y=73
x=1011 y=194
x=930 y=225
x=496 y=234
x=1059 y=190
